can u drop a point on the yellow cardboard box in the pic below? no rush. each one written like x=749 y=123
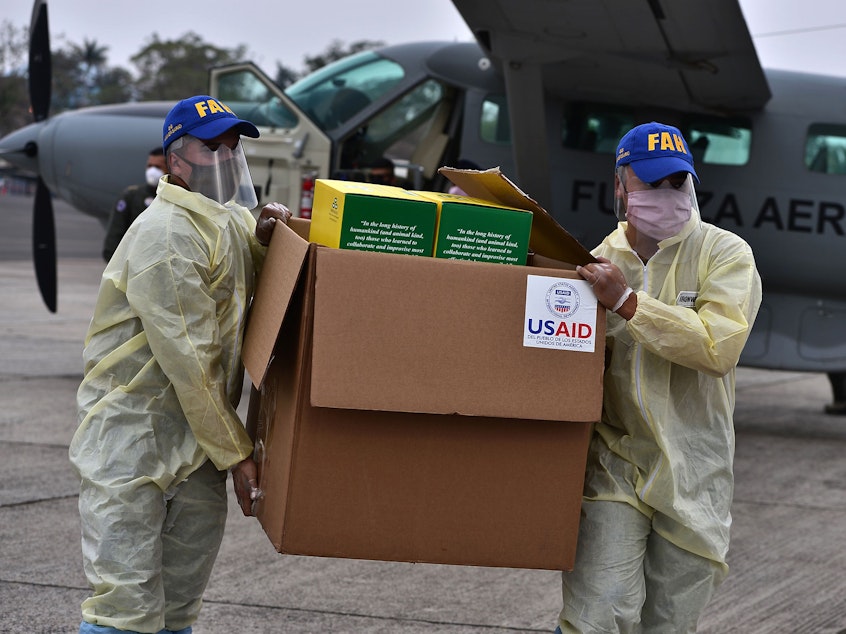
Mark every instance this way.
x=370 y=217
x=479 y=230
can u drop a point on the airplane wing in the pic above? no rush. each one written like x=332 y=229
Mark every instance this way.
x=689 y=54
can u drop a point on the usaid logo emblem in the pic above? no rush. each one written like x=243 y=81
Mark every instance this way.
x=562 y=300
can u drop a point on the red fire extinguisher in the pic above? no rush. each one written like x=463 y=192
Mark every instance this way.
x=307 y=194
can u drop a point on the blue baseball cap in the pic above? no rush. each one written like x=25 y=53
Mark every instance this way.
x=655 y=151
x=203 y=117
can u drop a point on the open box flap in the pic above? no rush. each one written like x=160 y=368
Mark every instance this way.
x=276 y=283
x=548 y=237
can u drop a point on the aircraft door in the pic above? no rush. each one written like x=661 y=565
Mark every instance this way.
x=414 y=129
x=292 y=150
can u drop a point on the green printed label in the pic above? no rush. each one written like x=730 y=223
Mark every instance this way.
x=483 y=234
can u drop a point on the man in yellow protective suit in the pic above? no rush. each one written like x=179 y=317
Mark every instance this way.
x=682 y=296
x=158 y=427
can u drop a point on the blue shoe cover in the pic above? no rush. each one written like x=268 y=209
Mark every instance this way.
x=89 y=628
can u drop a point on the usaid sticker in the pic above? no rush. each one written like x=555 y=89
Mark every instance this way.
x=560 y=314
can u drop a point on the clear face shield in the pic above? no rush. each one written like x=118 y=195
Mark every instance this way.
x=220 y=173
x=654 y=211
x=622 y=193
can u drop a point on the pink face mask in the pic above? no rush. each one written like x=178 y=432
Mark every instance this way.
x=658 y=213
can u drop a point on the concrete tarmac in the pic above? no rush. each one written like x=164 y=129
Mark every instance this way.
x=787 y=559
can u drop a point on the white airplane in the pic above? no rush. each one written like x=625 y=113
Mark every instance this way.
x=545 y=92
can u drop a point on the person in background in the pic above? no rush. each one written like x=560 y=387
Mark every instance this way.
x=133 y=200
x=462 y=164
x=381 y=172
x=158 y=427
x=682 y=296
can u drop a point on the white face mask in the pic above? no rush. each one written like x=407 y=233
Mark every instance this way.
x=658 y=213
x=152 y=175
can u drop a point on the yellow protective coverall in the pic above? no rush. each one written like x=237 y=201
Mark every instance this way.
x=665 y=444
x=157 y=420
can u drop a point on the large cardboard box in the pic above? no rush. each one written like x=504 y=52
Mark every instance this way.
x=371 y=217
x=400 y=416
x=480 y=231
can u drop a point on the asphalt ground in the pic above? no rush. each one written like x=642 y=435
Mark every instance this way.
x=787 y=559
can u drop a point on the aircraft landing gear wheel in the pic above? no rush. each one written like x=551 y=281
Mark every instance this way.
x=838 y=390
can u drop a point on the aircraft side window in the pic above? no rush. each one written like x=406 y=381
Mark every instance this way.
x=595 y=127
x=252 y=100
x=495 y=126
x=718 y=141
x=825 y=148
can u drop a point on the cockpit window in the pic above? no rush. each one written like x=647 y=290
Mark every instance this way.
x=337 y=92
x=825 y=148
x=251 y=99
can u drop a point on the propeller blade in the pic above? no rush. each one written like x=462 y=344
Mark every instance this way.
x=43 y=223
x=40 y=70
x=44 y=245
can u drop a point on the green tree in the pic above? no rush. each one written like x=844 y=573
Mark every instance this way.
x=285 y=76
x=167 y=70
x=82 y=77
x=116 y=85
x=14 y=94
x=174 y=69
x=14 y=49
x=92 y=56
x=90 y=66
x=68 y=90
